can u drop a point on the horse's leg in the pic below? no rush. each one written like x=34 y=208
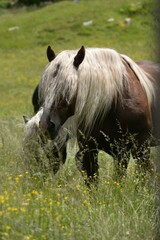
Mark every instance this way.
x=87 y=164
x=58 y=157
x=121 y=160
x=120 y=151
x=55 y=156
x=63 y=154
x=141 y=154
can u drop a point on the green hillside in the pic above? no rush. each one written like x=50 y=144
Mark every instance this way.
x=26 y=33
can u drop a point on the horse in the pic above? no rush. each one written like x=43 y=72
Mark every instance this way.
x=56 y=154
x=105 y=100
x=153 y=69
x=37 y=102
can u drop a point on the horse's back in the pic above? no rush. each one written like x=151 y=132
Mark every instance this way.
x=153 y=69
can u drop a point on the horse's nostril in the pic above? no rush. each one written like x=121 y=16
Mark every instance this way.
x=48 y=127
x=51 y=125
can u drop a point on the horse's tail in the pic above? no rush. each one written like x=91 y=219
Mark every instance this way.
x=144 y=78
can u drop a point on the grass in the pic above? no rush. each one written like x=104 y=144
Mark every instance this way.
x=60 y=206
x=23 y=48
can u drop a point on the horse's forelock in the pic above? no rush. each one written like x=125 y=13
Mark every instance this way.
x=59 y=78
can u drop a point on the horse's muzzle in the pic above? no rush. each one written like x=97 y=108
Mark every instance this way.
x=48 y=127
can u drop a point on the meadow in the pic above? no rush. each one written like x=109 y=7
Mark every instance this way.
x=60 y=206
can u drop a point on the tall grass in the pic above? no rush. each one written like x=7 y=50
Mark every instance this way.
x=61 y=206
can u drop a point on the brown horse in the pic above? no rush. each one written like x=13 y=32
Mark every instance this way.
x=105 y=100
x=153 y=69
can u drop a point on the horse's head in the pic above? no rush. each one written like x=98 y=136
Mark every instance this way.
x=55 y=115
x=52 y=119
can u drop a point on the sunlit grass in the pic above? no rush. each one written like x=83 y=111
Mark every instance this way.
x=23 y=50
x=62 y=207
x=58 y=210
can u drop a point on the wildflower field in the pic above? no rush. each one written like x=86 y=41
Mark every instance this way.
x=61 y=207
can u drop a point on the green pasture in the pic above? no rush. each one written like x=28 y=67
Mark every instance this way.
x=61 y=207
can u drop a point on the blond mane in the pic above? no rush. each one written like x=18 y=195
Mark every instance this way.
x=98 y=81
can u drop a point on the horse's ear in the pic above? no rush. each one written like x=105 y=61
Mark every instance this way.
x=79 y=57
x=50 y=54
x=26 y=119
